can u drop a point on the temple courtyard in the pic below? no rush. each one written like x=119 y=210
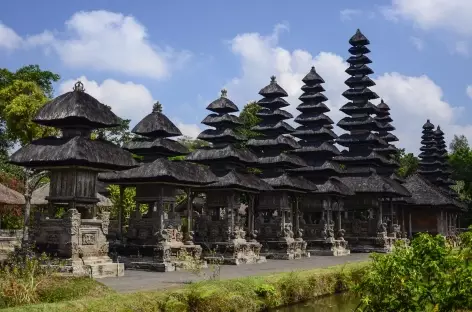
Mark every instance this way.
x=135 y=280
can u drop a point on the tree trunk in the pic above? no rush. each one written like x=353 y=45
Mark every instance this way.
x=27 y=211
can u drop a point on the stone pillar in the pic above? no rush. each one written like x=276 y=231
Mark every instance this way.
x=120 y=211
x=189 y=236
x=296 y=218
x=403 y=219
x=410 y=228
x=250 y=214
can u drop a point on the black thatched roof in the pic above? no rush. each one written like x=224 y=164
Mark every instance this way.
x=160 y=147
x=333 y=186
x=291 y=183
x=156 y=125
x=283 y=142
x=222 y=105
x=444 y=179
x=372 y=183
x=317 y=139
x=229 y=153
x=368 y=158
x=222 y=135
x=424 y=193
x=76 y=108
x=179 y=173
x=239 y=181
x=273 y=90
x=75 y=151
x=273 y=146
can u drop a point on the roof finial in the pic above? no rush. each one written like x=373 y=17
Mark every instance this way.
x=79 y=86
x=224 y=93
x=427 y=120
x=381 y=101
x=439 y=127
x=157 y=107
x=273 y=79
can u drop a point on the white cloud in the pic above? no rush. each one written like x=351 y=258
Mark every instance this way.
x=412 y=99
x=9 y=39
x=455 y=15
x=417 y=42
x=128 y=100
x=462 y=48
x=348 y=14
x=107 y=41
x=468 y=91
x=190 y=130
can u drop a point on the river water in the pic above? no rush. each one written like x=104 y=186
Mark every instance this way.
x=334 y=303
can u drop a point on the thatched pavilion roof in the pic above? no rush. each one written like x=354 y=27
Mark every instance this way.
x=75 y=151
x=156 y=124
x=10 y=197
x=162 y=170
x=76 y=108
x=38 y=197
x=425 y=193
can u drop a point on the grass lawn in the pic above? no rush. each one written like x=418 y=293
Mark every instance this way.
x=238 y=295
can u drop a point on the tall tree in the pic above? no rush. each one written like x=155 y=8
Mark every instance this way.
x=409 y=163
x=459 y=142
x=249 y=119
x=118 y=135
x=31 y=73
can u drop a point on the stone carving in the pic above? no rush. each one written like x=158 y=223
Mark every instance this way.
x=53 y=238
x=88 y=239
x=105 y=217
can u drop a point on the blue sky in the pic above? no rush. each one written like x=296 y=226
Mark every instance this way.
x=182 y=53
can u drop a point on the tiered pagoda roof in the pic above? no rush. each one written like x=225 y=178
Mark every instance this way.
x=76 y=114
x=430 y=157
x=155 y=147
x=387 y=149
x=361 y=159
x=228 y=162
x=155 y=130
x=316 y=136
x=444 y=180
x=272 y=143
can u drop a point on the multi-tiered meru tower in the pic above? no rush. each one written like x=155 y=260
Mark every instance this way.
x=367 y=228
x=222 y=231
x=321 y=211
x=277 y=220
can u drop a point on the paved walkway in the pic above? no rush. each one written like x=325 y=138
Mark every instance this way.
x=144 y=280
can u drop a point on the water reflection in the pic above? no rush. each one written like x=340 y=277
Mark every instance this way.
x=334 y=303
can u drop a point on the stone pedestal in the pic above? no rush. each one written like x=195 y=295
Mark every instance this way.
x=221 y=244
x=9 y=240
x=80 y=243
x=275 y=228
x=158 y=243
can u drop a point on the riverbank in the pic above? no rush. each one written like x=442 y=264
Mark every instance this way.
x=247 y=294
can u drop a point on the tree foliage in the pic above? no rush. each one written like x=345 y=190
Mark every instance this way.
x=249 y=119
x=118 y=135
x=409 y=163
x=428 y=275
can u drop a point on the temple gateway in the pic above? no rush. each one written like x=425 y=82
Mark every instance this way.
x=288 y=192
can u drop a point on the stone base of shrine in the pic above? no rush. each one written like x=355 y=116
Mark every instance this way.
x=371 y=244
x=95 y=267
x=322 y=247
x=163 y=257
x=284 y=249
x=235 y=252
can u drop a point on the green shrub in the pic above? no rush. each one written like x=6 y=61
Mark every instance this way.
x=429 y=275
